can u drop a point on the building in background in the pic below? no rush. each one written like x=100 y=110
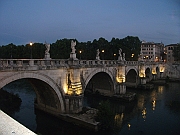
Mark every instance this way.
x=151 y=51
x=168 y=50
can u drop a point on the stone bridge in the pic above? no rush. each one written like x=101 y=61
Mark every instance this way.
x=60 y=84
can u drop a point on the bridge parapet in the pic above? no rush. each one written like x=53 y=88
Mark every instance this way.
x=42 y=64
x=31 y=64
x=135 y=63
x=46 y=64
x=88 y=63
x=132 y=62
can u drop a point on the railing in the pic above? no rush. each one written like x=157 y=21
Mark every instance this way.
x=96 y=62
x=132 y=62
x=40 y=64
x=31 y=64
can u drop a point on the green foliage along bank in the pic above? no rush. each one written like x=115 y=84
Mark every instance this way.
x=62 y=48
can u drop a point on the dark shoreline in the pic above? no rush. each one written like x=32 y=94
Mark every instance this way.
x=9 y=102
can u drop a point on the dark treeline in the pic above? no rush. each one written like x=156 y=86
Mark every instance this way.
x=61 y=49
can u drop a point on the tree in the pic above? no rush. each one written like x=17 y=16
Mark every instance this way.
x=131 y=45
x=61 y=49
x=38 y=50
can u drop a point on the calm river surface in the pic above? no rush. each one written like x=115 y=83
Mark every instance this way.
x=155 y=112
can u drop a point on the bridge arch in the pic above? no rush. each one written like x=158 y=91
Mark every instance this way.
x=38 y=77
x=131 y=76
x=96 y=71
x=134 y=68
x=157 y=71
x=148 y=74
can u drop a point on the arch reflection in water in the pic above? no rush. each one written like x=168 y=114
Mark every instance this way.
x=118 y=119
x=153 y=99
x=160 y=89
x=144 y=112
x=153 y=105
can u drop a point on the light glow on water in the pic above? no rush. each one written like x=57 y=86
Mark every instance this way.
x=155 y=112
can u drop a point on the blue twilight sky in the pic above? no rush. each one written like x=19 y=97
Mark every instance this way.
x=22 y=21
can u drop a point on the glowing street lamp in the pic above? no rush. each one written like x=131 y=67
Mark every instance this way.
x=114 y=56
x=31 y=48
x=103 y=54
x=132 y=55
x=157 y=59
x=80 y=54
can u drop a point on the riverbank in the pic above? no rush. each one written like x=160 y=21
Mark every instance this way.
x=147 y=86
x=9 y=126
x=164 y=81
x=127 y=97
x=84 y=119
x=9 y=102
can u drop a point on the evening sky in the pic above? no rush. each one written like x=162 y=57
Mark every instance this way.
x=22 y=21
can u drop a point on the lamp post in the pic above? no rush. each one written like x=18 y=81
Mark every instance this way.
x=80 y=54
x=157 y=59
x=132 y=55
x=31 y=48
x=103 y=54
x=114 y=56
x=11 y=51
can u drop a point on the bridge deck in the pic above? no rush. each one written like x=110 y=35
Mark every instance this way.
x=9 y=126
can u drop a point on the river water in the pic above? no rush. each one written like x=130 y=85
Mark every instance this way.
x=155 y=112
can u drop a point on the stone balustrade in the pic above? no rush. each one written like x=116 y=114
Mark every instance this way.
x=132 y=62
x=40 y=64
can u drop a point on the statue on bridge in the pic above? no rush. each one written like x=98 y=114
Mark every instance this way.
x=47 y=48
x=73 y=44
x=73 y=53
x=97 y=54
x=47 y=54
x=124 y=57
x=120 y=54
x=140 y=57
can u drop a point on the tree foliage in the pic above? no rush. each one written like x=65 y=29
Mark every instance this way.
x=61 y=49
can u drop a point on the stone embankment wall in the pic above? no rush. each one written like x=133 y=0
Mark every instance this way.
x=173 y=70
x=9 y=126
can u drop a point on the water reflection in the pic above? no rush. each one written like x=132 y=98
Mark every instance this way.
x=119 y=120
x=153 y=99
x=153 y=105
x=154 y=112
x=129 y=125
x=141 y=102
x=144 y=112
x=160 y=89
